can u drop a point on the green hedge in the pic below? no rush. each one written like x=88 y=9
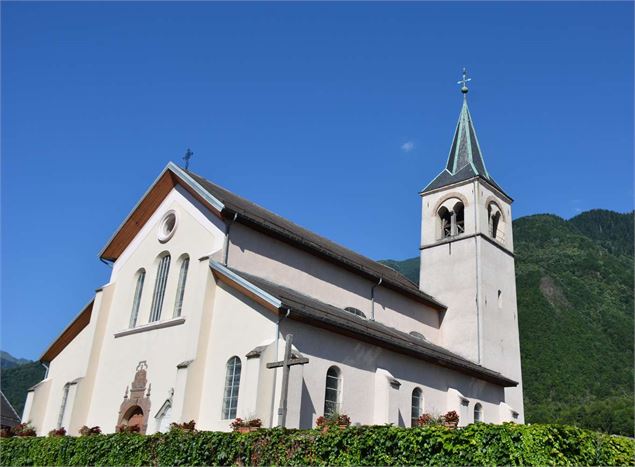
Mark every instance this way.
x=479 y=444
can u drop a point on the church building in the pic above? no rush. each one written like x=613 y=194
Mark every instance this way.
x=212 y=297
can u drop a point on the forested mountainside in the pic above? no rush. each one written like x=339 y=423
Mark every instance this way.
x=16 y=377
x=575 y=304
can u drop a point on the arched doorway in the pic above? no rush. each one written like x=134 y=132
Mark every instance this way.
x=135 y=408
x=134 y=417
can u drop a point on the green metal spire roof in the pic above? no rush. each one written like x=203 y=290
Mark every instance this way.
x=465 y=160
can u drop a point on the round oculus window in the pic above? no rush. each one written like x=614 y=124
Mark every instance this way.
x=167 y=226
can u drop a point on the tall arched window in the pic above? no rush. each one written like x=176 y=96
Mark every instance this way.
x=478 y=413
x=417 y=406
x=333 y=396
x=180 y=289
x=159 y=288
x=232 y=384
x=136 y=301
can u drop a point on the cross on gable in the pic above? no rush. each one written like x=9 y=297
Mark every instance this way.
x=286 y=364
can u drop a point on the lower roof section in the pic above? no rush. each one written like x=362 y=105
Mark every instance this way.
x=318 y=313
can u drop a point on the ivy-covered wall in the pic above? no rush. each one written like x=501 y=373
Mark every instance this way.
x=478 y=444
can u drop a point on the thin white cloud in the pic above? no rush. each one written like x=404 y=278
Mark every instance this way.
x=407 y=146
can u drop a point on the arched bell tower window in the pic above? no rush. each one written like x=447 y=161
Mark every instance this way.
x=451 y=219
x=445 y=219
x=495 y=222
x=459 y=218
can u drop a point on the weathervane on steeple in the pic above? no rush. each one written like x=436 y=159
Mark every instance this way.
x=188 y=155
x=464 y=82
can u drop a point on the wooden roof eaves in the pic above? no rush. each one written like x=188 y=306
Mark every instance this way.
x=69 y=333
x=176 y=175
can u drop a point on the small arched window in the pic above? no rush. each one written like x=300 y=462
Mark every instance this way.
x=232 y=385
x=333 y=396
x=159 y=288
x=136 y=301
x=418 y=335
x=478 y=413
x=180 y=289
x=417 y=406
x=164 y=418
x=355 y=311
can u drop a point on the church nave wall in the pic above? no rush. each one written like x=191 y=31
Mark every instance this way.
x=368 y=396
x=281 y=263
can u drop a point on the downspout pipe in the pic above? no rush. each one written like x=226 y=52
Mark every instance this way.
x=275 y=373
x=226 y=246
x=46 y=374
x=372 y=298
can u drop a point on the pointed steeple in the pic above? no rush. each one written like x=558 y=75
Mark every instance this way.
x=465 y=160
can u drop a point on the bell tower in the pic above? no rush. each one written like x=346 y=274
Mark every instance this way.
x=467 y=259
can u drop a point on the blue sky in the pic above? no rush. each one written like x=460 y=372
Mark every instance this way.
x=334 y=115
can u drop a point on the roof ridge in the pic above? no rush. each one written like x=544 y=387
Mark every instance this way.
x=388 y=272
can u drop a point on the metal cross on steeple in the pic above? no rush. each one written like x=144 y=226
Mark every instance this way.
x=464 y=81
x=188 y=155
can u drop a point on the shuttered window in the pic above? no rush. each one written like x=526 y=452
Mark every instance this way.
x=159 y=288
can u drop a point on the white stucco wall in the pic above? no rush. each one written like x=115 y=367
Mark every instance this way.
x=69 y=365
x=198 y=234
x=363 y=368
x=281 y=263
x=238 y=326
x=466 y=272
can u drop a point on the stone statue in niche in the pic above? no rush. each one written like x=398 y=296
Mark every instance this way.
x=135 y=408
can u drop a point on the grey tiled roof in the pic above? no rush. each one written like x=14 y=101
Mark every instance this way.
x=465 y=160
x=318 y=313
x=262 y=219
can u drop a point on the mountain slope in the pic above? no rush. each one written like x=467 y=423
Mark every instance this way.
x=15 y=380
x=612 y=230
x=9 y=361
x=575 y=303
